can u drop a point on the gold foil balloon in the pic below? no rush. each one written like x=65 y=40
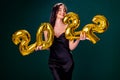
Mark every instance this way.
x=73 y=22
x=22 y=37
x=100 y=25
x=40 y=42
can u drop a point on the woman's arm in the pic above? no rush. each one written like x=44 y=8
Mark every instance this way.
x=45 y=35
x=73 y=44
x=45 y=38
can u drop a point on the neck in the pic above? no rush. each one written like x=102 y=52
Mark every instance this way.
x=59 y=22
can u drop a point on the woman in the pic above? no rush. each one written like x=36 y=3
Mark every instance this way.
x=60 y=60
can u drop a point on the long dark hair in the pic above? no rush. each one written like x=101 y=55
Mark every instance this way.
x=54 y=12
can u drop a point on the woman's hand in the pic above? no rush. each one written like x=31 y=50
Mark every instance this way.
x=83 y=36
x=38 y=48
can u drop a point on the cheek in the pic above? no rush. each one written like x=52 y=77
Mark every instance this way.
x=64 y=13
x=58 y=14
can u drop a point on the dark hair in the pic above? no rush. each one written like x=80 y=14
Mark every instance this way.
x=54 y=12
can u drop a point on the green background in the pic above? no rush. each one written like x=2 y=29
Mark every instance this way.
x=92 y=62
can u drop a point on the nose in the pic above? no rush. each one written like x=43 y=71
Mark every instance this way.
x=63 y=12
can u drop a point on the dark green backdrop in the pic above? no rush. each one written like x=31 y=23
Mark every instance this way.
x=92 y=62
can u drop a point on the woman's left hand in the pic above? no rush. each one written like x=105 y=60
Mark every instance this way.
x=83 y=36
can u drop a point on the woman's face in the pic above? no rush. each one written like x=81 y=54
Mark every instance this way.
x=61 y=12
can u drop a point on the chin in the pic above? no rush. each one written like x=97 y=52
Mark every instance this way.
x=62 y=17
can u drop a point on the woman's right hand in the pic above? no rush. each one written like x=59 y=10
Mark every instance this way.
x=38 y=48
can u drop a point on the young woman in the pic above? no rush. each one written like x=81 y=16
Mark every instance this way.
x=60 y=60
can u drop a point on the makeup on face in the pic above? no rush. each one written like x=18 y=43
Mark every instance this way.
x=61 y=12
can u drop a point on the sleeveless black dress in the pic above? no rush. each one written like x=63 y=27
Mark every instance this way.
x=60 y=60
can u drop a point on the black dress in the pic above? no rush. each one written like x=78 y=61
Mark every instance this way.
x=60 y=60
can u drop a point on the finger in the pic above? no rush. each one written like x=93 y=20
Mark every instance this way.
x=84 y=36
x=87 y=38
x=40 y=47
x=81 y=36
x=36 y=48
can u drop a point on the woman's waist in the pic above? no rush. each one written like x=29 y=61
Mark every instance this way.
x=60 y=57
x=61 y=61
